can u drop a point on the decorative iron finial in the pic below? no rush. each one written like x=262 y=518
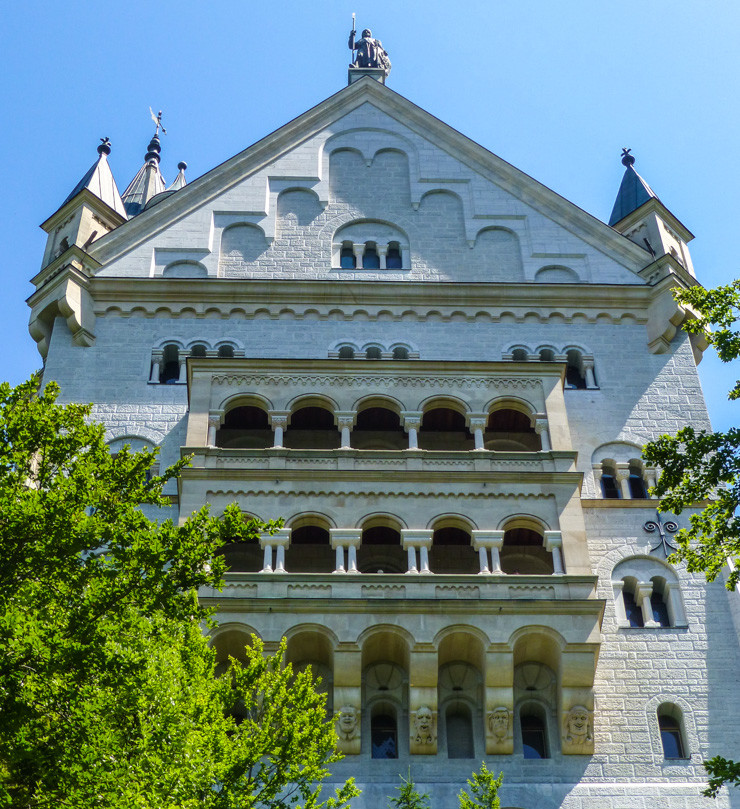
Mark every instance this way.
x=182 y=165
x=663 y=529
x=157 y=122
x=104 y=147
x=627 y=159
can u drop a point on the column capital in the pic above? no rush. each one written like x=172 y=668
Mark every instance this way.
x=476 y=420
x=643 y=589
x=622 y=471
x=157 y=354
x=487 y=539
x=281 y=537
x=411 y=418
x=540 y=424
x=278 y=418
x=345 y=418
x=416 y=538
x=215 y=417
x=345 y=537
x=553 y=539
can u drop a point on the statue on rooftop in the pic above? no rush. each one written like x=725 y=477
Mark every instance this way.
x=370 y=52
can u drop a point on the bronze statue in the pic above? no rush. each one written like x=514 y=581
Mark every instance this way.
x=370 y=52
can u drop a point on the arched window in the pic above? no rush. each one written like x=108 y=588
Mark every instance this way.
x=452 y=551
x=245 y=427
x=523 y=552
x=226 y=351
x=609 y=486
x=378 y=428
x=346 y=353
x=312 y=427
x=459 y=727
x=632 y=609
x=534 y=734
x=575 y=376
x=384 y=735
x=636 y=481
x=671 y=734
x=444 y=429
x=370 y=258
x=347 y=258
x=547 y=355
x=170 y=371
x=658 y=603
x=519 y=355
x=393 y=260
x=309 y=550
x=373 y=353
x=400 y=353
x=510 y=430
x=380 y=548
x=198 y=350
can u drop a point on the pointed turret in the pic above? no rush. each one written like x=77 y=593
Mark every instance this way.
x=148 y=181
x=93 y=208
x=639 y=215
x=180 y=181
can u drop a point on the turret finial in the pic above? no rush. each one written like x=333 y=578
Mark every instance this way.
x=627 y=159
x=104 y=147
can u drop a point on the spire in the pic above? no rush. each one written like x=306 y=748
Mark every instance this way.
x=633 y=192
x=99 y=181
x=148 y=181
x=180 y=181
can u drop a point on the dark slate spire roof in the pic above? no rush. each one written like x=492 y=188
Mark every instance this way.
x=633 y=192
x=99 y=181
x=147 y=183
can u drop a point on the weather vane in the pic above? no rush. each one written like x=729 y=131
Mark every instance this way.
x=663 y=529
x=157 y=121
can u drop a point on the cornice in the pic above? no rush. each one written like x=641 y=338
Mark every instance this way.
x=323 y=299
x=268 y=149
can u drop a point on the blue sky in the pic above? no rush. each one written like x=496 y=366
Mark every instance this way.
x=554 y=88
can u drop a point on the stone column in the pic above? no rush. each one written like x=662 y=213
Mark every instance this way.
x=214 y=422
x=345 y=421
x=157 y=358
x=413 y=538
x=359 y=251
x=553 y=544
x=619 y=603
x=279 y=423
x=623 y=476
x=423 y=667
x=651 y=477
x=342 y=538
x=588 y=368
x=382 y=250
x=348 y=697
x=182 y=375
x=643 y=591
x=477 y=424
x=280 y=541
x=411 y=422
x=485 y=541
x=540 y=427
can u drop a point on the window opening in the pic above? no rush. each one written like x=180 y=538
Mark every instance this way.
x=198 y=351
x=632 y=609
x=459 y=733
x=393 y=260
x=226 y=351
x=638 y=490
x=609 y=487
x=574 y=377
x=373 y=353
x=370 y=259
x=659 y=608
x=170 y=373
x=383 y=736
x=400 y=353
x=347 y=258
x=670 y=736
x=534 y=737
x=346 y=353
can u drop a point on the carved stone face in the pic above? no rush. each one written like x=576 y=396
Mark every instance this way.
x=498 y=723
x=348 y=720
x=578 y=721
x=424 y=721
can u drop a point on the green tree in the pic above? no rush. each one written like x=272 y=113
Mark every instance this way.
x=484 y=787
x=699 y=466
x=408 y=796
x=107 y=688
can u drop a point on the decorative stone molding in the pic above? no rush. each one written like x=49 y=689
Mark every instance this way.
x=578 y=731
x=499 y=731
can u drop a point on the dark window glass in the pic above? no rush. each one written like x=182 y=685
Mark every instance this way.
x=400 y=353
x=634 y=613
x=373 y=353
x=670 y=735
x=660 y=609
x=170 y=373
x=346 y=353
x=383 y=736
x=393 y=259
x=371 y=259
x=347 y=259
x=637 y=487
x=574 y=379
x=609 y=487
x=534 y=739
